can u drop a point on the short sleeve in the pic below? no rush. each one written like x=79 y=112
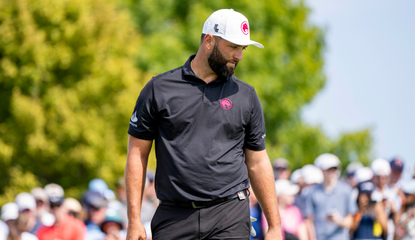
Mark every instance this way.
x=255 y=131
x=143 y=122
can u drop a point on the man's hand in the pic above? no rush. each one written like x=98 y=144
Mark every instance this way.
x=273 y=234
x=136 y=232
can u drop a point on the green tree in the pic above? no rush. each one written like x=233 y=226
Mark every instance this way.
x=286 y=74
x=67 y=89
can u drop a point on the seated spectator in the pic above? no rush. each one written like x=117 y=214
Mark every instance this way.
x=16 y=222
x=370 y=222
x=65 y=227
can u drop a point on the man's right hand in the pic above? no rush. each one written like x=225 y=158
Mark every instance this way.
x=136 y=232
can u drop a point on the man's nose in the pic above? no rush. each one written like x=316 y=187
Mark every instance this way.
x=239 y=54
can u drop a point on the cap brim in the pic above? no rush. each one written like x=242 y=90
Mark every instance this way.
x=243 y=43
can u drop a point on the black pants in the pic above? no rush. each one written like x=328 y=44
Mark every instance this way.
x=227 y=220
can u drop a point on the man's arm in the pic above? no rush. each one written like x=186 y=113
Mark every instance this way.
x=262 y=181
x=135 y=175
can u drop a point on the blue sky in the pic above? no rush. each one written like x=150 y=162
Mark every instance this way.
x=370 y=69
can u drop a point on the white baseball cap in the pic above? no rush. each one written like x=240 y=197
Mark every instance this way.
x=9 y=211
x=312 y=174
x=363 y=174
x=231 y=26
x=25 y=201
x=380 y=167
x=285 y=187
x=296 y=176
x=326 y=161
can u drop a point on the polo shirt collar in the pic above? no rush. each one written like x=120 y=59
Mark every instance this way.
x=188 y=71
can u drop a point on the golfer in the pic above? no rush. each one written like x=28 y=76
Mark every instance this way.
x=209 y=134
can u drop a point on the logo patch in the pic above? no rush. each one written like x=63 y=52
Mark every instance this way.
x=134 y=117
x=244 y=27
x=226 y=103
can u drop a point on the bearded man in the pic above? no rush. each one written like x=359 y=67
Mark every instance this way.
x=209 y=134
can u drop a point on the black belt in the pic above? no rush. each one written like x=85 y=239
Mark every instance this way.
x=199 y=204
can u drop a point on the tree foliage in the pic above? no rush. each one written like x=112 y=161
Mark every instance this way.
x=67 y=89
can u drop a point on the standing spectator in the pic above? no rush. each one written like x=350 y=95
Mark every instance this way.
x=256 y=213
x=43 y=216
x=391 y=200
x=292 y=224
x=16 y=222
x=281 y=169
x=406 y=216
x=397 y=166
x=96 y=205
x=350 y=173
x=27 y=205
x=74 y=208
x=65 y=227
x=329 y=208
x=312 y=176
x=370 y=222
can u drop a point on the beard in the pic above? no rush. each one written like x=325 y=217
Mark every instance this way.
x=217 y=63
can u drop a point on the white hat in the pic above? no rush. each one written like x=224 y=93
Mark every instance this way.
x=326 y=161
x=363 y=174
x=72 y=204
x=353 y=166
x=312 y=174
x=408 y=186
x=381 y=166
x=285 y=187
x=295 y=176
x=25 y=201
x=9 y=211
x=55 y=193
x=231 y=26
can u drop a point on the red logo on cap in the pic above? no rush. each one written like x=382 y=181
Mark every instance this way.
x=244 y=28
x=226 y=103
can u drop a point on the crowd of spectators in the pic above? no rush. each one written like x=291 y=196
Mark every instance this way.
x=315 y=202
x=100 y=214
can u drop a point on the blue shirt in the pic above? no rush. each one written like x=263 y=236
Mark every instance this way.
x=320 y=204
x=94 y=231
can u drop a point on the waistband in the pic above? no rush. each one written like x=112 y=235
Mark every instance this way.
x=203 y=204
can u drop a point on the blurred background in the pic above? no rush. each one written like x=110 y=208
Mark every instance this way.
x=333 y=77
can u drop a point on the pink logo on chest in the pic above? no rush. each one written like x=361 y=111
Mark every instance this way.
x=226 y=103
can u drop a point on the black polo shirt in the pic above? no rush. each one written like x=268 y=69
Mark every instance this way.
x=200 y=131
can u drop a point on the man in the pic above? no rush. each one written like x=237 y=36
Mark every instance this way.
x=281 y=169
x=95 y=205
x=27 y=206
x=329 y=207
x=210 y=136
x=65 y=226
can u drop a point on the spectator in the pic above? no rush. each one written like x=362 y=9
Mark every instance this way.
x=391 y=200
x=406 y=226
x=4 y=230
x=112 y=225
x=65 y=227
x=16 y=222
x=281 y=169
x=96 y=205
x=329 y=208
x=122 y=197
x=43 y=217
x=350 y=173
x=256 y=213
x=27 y=205
x=397 y=165
x=312 y=176
x=292 y=224
x=74 y=208
x=370 y=222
